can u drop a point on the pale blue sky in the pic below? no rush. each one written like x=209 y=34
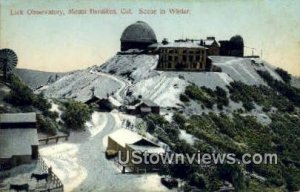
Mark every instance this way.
x=63 y=43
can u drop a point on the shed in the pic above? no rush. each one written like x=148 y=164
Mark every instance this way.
x=147 y=106
x=126 y=141
x=18 y=139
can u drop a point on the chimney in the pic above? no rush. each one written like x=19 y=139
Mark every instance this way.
x=165 y=41
x=211 y=38
x=201 y=42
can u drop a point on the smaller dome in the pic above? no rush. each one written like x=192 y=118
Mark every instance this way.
x=237 y=39
x=139 y=32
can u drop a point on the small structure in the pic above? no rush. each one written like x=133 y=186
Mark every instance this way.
x=102 y=104
x=18 y=139
x=143 y=108
x=147 y=106
x=126 y=142
x=233 y=47
x=212 y=45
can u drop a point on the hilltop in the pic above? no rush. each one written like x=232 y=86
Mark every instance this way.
x=127 y=77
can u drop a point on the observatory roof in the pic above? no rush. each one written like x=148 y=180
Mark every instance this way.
x=139 y=32
x=182 y=45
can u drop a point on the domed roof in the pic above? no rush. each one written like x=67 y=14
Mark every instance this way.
x=237 y=39
x=139 y=32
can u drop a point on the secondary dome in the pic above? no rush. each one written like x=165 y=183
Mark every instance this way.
x=138 y=35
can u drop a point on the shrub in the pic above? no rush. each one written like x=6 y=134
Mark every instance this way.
x=76 y=114
x=179 y=119
x=184 y=98
x=286 y=90
x=198 y=180
x=232 y=173
x=46 y=125
x=286 y=77
x=22 y=95
x=248 y=105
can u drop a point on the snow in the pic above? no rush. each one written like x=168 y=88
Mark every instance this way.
x=187 y=44
x=55 y=108
x=21 y=175
x=242 y=69
x=142 y=66
x=124 y=136
x=163 y=90
x=79 y=86
x=190 y=139
x=81 y=165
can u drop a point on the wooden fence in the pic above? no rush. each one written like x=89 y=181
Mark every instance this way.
x=55 y=183
x=56 y=138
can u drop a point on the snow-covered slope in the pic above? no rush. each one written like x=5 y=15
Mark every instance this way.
x=244 y=69
x=136 y=73
x=163 y=89
x=79 y=86
x=296 y=82
x=139 y=66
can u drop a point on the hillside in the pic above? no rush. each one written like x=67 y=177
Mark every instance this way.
x=152 y=84
x=246 y=108
x=34 y=79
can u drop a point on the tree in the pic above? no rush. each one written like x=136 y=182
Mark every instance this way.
x=76 y=114
x=286 y=77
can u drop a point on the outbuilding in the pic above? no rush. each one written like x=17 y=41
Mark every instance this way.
x=126 y=142
x=18 y=139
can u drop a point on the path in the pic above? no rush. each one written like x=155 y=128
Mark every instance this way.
x=81 y=164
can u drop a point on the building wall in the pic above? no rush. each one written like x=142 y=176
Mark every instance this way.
x=113 y=145
x=15 y=161
x=155 y=110
x=138 y=168
x=214 y=49
x=229 y=48
x=182 y=59
x=134 y=45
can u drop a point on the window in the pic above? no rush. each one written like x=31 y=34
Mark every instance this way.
x=197 y=58
x=184 y=58
x=191 y=58
x=170 y=58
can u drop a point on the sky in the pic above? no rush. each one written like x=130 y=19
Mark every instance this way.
x=69 y=42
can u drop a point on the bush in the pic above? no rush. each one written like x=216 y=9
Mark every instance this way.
x=184 y=98
x=76 y=114
x=232 y=173
x=286 y=77
x=179 y=119
x=286 y=90
x=248 y=105
x=46 y=125
x=198 y=180
x=22 y=95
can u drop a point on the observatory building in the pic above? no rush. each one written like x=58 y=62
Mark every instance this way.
x=138 y=35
